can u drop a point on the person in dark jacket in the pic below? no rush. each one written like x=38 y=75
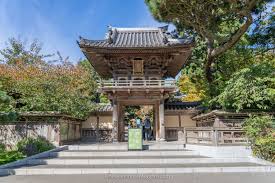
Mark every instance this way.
x=147 y=128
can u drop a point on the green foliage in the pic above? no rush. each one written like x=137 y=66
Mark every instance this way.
x=132 y=112
x=264 y=31
x=32 y=84
x=32 y=146
x=8 y=117
x=25 y=147
x=261 y=135
x=220 y=24
x=10 y=156
x=250 y=88
x=5 y=100
x=2 y=147
x=18 y=53
x=6 y=108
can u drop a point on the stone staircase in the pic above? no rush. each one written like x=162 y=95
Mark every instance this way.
x=116 y=159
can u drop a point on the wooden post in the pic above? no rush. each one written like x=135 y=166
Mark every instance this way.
x=115 y=121
x=156 y=125
x=68 y=130
x=215 y=137
x=97 y=128
x=161 y=121
x=26 y=128
x=185 y=135
x=179 y=119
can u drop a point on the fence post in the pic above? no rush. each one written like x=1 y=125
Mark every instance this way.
x=185 y=135
x=26 y=128
x=97 y=128
x=215 y=137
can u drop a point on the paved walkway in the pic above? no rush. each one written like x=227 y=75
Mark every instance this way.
x=185 y=178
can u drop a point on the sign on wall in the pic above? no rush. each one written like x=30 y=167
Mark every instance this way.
x=135 y=139
x=137 y=67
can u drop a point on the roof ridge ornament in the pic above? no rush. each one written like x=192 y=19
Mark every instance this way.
x=109 y=34
x=164 y=28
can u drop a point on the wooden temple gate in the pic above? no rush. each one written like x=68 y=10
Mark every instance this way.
x=136 y=63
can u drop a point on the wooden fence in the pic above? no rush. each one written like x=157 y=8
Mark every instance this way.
x=94 y=135
x=206 y=135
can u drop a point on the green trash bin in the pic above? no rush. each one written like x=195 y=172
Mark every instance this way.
x=135 y=139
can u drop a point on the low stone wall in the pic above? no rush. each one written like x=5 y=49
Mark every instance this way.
x=58 y=133
x=11 y=133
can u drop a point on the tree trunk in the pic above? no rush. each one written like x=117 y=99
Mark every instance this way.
x=207 y=69
x=209 y=61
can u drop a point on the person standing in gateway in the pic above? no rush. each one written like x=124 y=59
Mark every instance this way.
x=147 y=127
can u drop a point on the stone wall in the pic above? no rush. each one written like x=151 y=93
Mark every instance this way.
x=57 y=133
x=11 y=133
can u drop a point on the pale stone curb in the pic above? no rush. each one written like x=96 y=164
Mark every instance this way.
x=40 y=155
x=124 y=154
x=135 y=161
x=78 y=171
x=260 y=161
x=157 y=146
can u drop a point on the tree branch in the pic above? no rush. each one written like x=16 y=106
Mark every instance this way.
x=238 y=34
x=233 y=39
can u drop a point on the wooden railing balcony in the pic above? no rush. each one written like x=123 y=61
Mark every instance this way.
x=128 y=84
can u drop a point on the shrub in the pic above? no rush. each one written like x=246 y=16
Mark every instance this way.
x=2 y=147
x=9 y=156
x=261 y=135
x=31 y=146
x=8 y=117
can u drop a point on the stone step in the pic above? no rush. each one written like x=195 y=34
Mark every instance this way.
x=139 y=162
x=126 y=157
x=74 y=170
x=124 y=146
x=126 y=150
x=175 y=165
x=122 y=153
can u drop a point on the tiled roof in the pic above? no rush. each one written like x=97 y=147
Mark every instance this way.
x=103 y=107
x=181 y=105
x=168 y=106
x=135 y=38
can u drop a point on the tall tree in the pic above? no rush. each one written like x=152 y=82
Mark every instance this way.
x=33 y=84
x=18 y=53
x=221 y=23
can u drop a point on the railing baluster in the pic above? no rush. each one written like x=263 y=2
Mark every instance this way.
x=137 y=83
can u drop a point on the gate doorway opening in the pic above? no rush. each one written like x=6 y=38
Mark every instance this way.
x=134 y=117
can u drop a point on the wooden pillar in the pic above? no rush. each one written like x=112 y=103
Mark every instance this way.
x=115 y=121
x=161 y=121
x=121 y=125
x=155 y=122
x=156 y=114
x=215 y=137
x=185 y=135
x=179 y=114
x=97 y=128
